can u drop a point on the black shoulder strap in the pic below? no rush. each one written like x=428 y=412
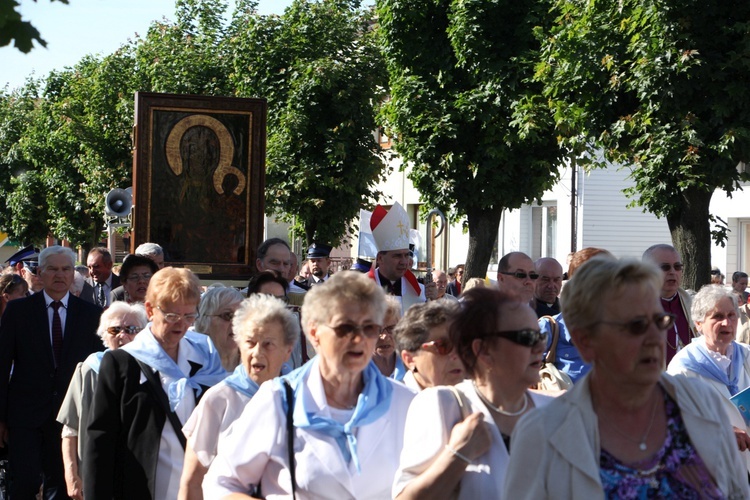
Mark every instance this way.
x=158 y=393
x=290 y=434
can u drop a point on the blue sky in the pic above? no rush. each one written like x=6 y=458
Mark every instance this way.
x=86 y=27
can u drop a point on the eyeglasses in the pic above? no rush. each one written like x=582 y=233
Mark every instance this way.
x=638 y=326
x=31 y=266
x=521 y=275
x=226 y=316
x=388 y=330
x=370 y=331
x=527 y=337
x=130 y=330
x=677 y=267
x=134 y=278
x=174 y=317
x=442 y=347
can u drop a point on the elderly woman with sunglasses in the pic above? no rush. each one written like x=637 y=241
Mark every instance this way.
x=457 y=439
x=266 y=332
x=346 y=418
x=216 y=310
x=145 y=393
x=715 y=357
x=117 y=327
x=627 y=429
x=426 y=350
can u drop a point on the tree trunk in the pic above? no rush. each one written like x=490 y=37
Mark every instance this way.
x=483 y=227
x=691 y=236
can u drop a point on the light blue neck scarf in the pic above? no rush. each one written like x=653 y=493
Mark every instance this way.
x=696 y=359
x=145 y=348
x=95 y=360
x=400 y=370
x=241 y=382
x=373 y=402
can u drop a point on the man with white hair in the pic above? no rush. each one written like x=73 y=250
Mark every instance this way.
x=153 y=251
x=42 y=337
x=441 y=282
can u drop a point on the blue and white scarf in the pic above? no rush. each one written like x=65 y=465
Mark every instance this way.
x=373 y=402
x=241 y=382
x=145 y=348
x=696 y=358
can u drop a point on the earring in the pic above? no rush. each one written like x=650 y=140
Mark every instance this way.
x=414 y=370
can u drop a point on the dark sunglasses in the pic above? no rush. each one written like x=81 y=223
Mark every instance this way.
x=442 y=347
x=677 y=267
x=226 y=316
x=347 y=329
x=527 y=337
x=130 y=330
x=521 y=275
x=663 y=321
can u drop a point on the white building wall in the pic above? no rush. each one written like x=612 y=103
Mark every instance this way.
x=608 y=223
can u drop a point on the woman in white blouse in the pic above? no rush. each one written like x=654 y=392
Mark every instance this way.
x=346 y=417
x=499 y=341
x=265 y=331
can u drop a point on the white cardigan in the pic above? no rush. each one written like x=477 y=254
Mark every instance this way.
x=735 y=417
x=556 y=449
x=256 y=450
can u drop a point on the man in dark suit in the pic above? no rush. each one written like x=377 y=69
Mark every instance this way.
x=102 y=280
x=42 y=337
x=454 y=287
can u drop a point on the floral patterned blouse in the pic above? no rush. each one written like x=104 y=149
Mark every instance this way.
x=675 y=471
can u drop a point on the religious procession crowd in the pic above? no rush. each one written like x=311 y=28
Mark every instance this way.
x=606 y=380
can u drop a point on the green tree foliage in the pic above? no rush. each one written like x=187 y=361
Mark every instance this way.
x=23 y=209
x=186 y=56
x=660 y=85
x=67 y=139
x=464 y=109
x=14 y=29
x=319 y=68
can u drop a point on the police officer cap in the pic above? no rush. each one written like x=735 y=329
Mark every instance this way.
x=318 y=250
x=27 y=254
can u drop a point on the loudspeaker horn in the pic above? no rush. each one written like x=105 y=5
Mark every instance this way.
x=118 y=203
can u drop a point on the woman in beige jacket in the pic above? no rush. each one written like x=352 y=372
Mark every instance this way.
x=626 y=429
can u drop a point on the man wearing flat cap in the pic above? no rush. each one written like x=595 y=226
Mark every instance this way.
x=318 y=256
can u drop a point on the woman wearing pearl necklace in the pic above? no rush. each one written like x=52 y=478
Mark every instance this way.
x=498 y=339
x=627 y=429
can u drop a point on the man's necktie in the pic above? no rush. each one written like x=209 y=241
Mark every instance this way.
x=100 y=299
x=57 y=332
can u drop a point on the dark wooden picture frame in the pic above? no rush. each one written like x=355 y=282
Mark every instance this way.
x=199 y=181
